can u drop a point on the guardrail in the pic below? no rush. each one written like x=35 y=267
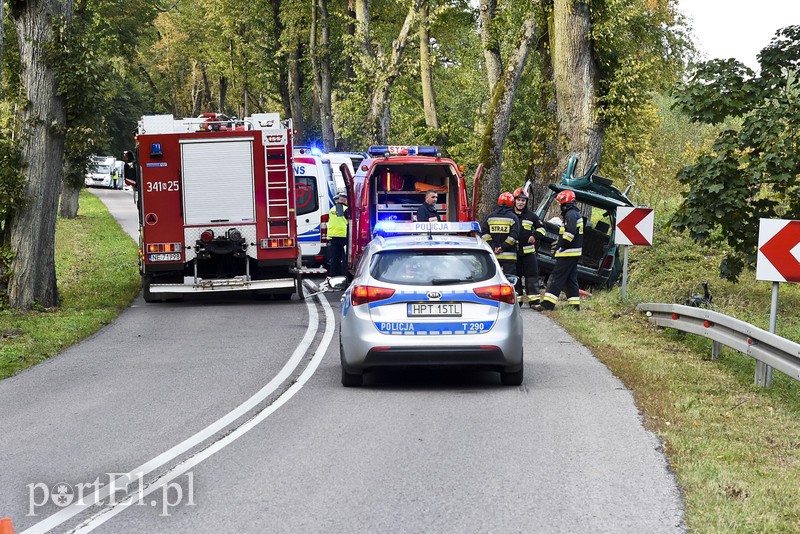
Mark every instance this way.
x=765 y=347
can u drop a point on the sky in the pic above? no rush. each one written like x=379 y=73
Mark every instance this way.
x=738 y=28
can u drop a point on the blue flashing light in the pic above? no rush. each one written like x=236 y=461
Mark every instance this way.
x=155 y=150
x=316 y=151
x=428 y=151
x=378 y=151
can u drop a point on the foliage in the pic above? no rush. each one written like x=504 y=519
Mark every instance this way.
x=751 y=171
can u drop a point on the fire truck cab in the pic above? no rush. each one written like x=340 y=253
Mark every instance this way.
x=216 y=206
x=390 y=185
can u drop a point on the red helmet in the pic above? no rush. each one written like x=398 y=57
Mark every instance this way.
x=520 y=193
x=505 y=199
x=565 y=196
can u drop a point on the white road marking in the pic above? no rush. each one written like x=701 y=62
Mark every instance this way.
x=109 y=512
x=90 y=500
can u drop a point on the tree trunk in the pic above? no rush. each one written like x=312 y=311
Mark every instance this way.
x=325 y=107
x=69 y=200
x=295 y=104
x=379 y=102
x=33 y=225
x=428 y=95
x=2 y=15
x=494 y=137
x=491 y=43
x=576 y=80
x=223 y=93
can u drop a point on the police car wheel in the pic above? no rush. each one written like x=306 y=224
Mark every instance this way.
x=513 y=378
x=349 y=380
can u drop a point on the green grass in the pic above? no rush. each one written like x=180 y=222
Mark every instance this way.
x=735 y=448
x=96 y=268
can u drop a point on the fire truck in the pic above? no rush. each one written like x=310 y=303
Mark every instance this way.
x=390 y=185
x=216 y=206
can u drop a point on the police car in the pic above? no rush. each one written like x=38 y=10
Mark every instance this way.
x=422 y=296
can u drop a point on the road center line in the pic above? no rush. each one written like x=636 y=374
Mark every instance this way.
x=123 y=481
x=109 y=512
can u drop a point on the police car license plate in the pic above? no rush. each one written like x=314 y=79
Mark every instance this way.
x=434 y=309
x=175 y=256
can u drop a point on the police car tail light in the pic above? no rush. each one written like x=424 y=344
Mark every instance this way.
x=366 y=294
x=499 y=292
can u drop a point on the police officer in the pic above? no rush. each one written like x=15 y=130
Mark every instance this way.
x=337 y=234
x=527 y=263
x=568 y=252
x=501 y=230
x=427 y=211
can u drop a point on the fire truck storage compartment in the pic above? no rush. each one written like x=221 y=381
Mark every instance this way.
x=217 y=181
x=402 y=205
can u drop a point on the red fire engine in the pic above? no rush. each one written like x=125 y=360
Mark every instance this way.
x=216 y=206
x=390 y=185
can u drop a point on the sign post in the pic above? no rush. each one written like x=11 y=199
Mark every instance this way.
x=634 y=227
x=778 y=261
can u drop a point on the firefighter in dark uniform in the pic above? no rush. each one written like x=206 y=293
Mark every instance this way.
x=567 y=254
x=527 y=264
x=501 y=230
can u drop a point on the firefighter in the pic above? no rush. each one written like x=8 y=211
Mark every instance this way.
x=527 y=263
x=337 y=234
x=567 y=254
x=501 y=230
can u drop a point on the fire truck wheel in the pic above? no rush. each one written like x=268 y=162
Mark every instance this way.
x=147 y=279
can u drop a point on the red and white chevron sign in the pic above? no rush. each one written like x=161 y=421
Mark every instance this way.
x=634 y=226
x=778 y=250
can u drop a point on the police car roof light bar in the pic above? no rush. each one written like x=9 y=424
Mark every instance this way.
x=387 y=228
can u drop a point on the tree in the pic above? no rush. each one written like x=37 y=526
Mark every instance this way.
x=33 y=224
x=752 y=170
x=497 y=123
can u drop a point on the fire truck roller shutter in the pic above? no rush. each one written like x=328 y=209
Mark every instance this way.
x=217 y=181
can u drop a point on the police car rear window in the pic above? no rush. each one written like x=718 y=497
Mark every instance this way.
x=433 y=267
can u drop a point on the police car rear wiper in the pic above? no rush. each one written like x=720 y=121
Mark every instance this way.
x=445 y=281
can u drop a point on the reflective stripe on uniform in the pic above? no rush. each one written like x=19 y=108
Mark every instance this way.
x=549 y=297
x=500 y=225
x=574 y=301
x=568 y=236
x=568 y=253
x=511 y=241
x=507 y=255
x=527 y=224
x=541 y=230
x=528 y=249
x=487 y=237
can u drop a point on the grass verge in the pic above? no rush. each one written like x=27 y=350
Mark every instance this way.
x=735 y=448
x=96 y=268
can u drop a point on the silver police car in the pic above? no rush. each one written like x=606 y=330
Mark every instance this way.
x=422 y=296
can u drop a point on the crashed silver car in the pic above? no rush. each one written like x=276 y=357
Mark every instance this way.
x=422 y=296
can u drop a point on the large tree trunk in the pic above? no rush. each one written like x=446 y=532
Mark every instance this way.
x=426 y=78
x=576 y=80
x=494 y=137
x=33 y=225
x=223 y=93
x=378 y=117
x=69 y=200
x=491 y=42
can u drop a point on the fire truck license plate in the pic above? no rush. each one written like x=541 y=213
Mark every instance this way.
x=175 y=256
x=435 y=309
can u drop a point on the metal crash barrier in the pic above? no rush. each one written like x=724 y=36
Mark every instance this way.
x=765 y=347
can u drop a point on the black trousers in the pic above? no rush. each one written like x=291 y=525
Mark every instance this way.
x=337 y=256
x=528 y=268
x=564 y=276
x=509 y=267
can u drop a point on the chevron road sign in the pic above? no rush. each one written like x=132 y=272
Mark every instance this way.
x=634 y=226
x=778 y=251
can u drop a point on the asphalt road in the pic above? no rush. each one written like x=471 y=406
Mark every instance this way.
x=232 y=412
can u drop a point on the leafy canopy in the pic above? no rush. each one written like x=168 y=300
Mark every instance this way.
x=751 y=171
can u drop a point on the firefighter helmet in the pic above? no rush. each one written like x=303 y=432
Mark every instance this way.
x=565 y=196
x=505 y=199
x=520 y=193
